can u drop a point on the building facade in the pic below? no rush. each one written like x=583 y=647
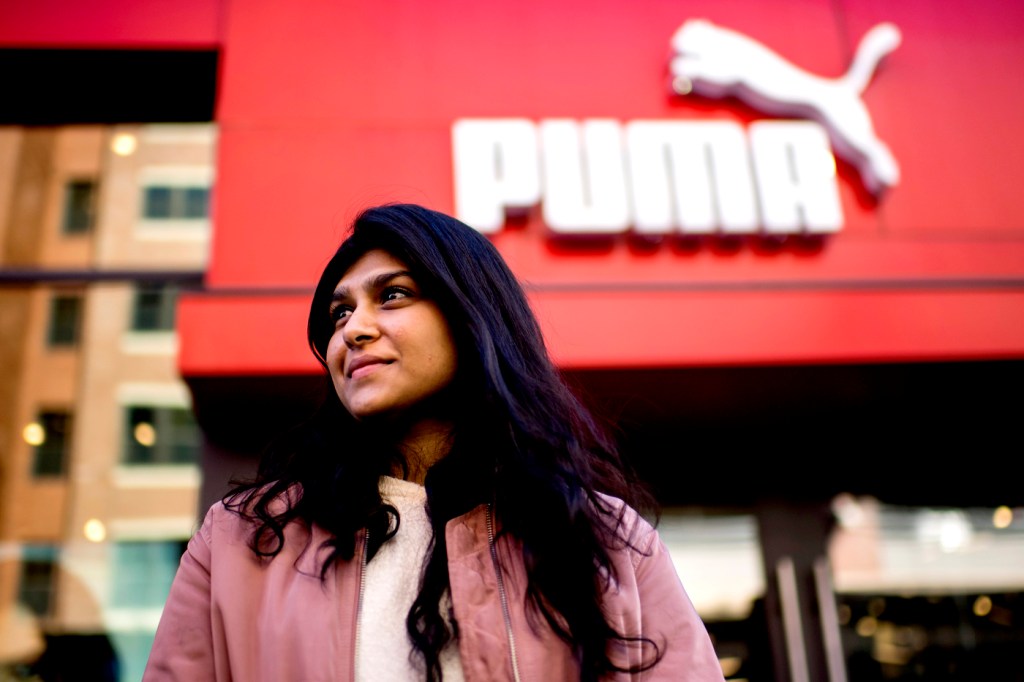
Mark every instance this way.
x=103 y=226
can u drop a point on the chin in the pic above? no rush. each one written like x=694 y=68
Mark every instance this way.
x=365 y=405
x=373 y=411
x=367 y=413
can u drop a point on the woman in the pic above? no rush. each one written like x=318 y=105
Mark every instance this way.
x=450 y=511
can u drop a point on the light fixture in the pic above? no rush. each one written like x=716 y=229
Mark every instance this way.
x=34 y=434
x=124 y=144
x=1002 y=517
x=94 y=530
x=145 y=434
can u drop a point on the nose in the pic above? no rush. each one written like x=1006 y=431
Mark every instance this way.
x=361 y=327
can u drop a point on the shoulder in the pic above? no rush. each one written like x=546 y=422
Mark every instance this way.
x=223 y=522
x=236 y=535
x=630 y=531
x=238 y=514
x=274 y=497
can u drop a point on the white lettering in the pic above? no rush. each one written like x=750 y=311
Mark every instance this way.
x=496 y=170
x=584 y=177
x=691 y=175
x=796 y=177
x=661 y=177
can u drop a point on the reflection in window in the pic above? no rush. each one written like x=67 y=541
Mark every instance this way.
x=52 y=440
x=143 y=571
x=928 y=594
x=65 y=319
x=79 y=202
x=718 y=558
x=141 y=576
x=160 y=435
x=153 y=307
x=175 y=203
x=36 y=584
x=133 y=651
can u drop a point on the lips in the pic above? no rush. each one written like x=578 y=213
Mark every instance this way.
x=364 y=361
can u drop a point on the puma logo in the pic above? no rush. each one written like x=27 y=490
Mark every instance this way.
x=717 y=62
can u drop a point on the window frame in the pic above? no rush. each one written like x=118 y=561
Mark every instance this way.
x=42 y=454
x=38 y=555
x=60 y=332
x=164 y=309
x=178 y=224
x=69 y=225
x=165 y=451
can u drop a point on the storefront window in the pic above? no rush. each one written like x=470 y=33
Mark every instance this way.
x=718 y=558
x=929 y=594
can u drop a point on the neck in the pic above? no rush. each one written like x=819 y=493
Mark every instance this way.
x=423 y=444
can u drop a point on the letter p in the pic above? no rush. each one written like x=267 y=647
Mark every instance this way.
x=497 y=169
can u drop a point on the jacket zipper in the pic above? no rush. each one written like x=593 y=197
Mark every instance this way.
x=501 y=593
x=359 y=599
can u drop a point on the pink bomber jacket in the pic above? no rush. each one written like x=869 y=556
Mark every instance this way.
x=230 y=616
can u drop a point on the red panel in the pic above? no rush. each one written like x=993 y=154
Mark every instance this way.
x=416 y=63
x=647 y=329
x=244 y=335
x=326 y=108
x=361 y=113
x=293 y=194
x=254 y=335
x=949 y=102
x=110 y=23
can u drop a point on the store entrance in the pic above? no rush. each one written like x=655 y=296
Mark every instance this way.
x=873 y=502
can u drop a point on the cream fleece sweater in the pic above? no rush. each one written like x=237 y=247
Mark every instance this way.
x=392 y=583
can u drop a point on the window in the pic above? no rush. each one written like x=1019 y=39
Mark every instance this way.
x=197 y=202
x=35 y=587
x=161 y=435
x=133 y=649
x=153 y=309
x=158 y=202
x=143 y=571
x=175 y=203
x=65 y=318
x=928 y=593
x=79 y=203
x=51 y=454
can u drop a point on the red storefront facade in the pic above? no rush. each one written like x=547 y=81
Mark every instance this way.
x=325 y=111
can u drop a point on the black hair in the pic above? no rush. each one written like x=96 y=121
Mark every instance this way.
x=521 y=441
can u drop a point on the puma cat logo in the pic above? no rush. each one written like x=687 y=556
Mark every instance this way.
x=717 y=62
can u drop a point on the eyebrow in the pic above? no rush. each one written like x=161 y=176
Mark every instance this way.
x=377 y=282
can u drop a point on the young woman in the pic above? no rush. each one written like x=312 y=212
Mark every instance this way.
x=450 y=512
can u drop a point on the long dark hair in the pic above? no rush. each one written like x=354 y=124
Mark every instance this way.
x=521 y=441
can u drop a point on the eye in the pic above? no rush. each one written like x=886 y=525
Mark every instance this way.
x=395 y=293
x=340 y=312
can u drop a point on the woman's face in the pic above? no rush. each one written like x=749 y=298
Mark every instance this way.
x=391 y=348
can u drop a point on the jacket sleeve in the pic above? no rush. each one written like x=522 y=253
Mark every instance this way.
x=183 y=648
x=669 y=619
